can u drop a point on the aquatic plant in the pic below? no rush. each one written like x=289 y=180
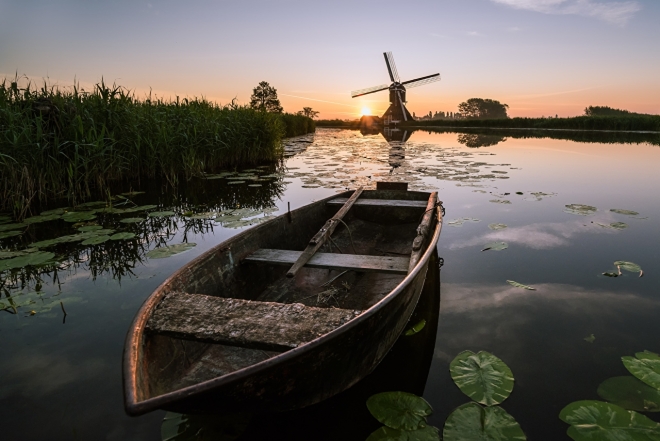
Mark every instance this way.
x=73 y=143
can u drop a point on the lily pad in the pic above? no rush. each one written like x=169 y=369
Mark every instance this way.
x=580 y=209
x=610 y=274
x=520 y=285
x=59 y=211
x=8 y=227
x=630 y=393
x=497 y=226
x=496 y=246
x=500 y=201
x=646 y=367
x=7 y=234
x=399 y=410
x=170 y=250
x=41 y=218
x=10 y=254
x=254 y=185
x=122 y=236
x=161 y=213
x=235 y=182
x=472 y=422
x=181 y=427
x=204 y=216
x=132 y=193
x=78 y=216
x=629 y=266
x=626 y=212
x=590 y=339
x=416 y=328
x=597 y=420
x=35 y=258
x=482 y=376
x=92 y=204
x=96 y=240
x=428 y=433
x=89 y=228
x=132 y=220
x=614 y=225
x=139 y=208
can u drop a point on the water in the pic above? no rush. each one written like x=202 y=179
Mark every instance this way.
x=61 y=376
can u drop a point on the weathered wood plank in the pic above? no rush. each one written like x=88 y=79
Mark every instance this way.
x=383 y=264
x=324 y=233
x=381 y=203
x=424 y=230
x=244 y=323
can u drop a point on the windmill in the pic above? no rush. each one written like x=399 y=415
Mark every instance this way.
x=397 y=111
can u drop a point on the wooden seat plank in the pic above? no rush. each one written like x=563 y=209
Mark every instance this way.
x=381 y=203
x=383 y=264
x=244 y=323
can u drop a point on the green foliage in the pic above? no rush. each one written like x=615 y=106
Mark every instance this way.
x=308 y=112
x=645 y=366
x=597 y=420
x=479 y=108
x=73 y=143
x=630 y=393
x=482 y=376
x=428 y=433
x=264 y=98
x=472 y=422
x=399 y=410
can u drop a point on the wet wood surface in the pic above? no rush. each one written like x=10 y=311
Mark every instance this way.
x=249 y=324
x=362 y=263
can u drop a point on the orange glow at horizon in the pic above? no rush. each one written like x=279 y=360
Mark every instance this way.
x=365 y=111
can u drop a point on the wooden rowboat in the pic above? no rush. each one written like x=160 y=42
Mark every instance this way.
x=230 y=331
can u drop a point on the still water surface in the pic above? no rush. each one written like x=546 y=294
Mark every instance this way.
x=61 y=376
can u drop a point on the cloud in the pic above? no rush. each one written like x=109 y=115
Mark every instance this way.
x=475 y=34
x=617 y=13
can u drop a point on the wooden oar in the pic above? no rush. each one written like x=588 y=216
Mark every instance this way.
x=324 y=233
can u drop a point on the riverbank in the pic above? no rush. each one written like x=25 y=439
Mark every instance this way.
x=71 y=143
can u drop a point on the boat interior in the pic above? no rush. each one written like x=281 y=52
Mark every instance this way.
x=238 y=307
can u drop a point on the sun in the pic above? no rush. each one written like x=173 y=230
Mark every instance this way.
x=366 y=111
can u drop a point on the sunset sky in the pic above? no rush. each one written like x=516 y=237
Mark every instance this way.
x=542 y=57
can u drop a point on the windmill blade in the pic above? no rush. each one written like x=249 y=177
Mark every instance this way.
x=369 y=90
x=421 y=81
x=391 y=67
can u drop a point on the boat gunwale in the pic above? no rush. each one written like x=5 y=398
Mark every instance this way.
x=134 y=337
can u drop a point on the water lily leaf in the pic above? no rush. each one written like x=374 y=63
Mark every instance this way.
x=132 y=220
x=399 y=410
x=59 y=211
x=500 y=201
x=428 y=433
x=614 y=225
x=161 y=213
x=235 y=182
x=122 y=236
x=170 y=250
x=36 y=258
x=580 y=209
x=255 y=185
x=204 y=216
x=96 y=240
x=228 y=427
x=629 y=266
x=610 y=274
x=590 y=339
x=7 y=227
x=5 y=219
x=496 y=246
x=482 y=376
x=630 y=393
x=41 y=218
x=91 y=204
x=646 y=367
x=132 y=193
x=89 y=228
x=78 y=216
x=415 y=329
x=472 y=422
x=7 y=234
x=598 y=420
x=520 y=285
x=497 y=226
x=626 y=212
x=139 y=208
x=10 y=254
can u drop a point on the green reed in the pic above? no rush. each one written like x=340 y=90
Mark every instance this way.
x=72 y=143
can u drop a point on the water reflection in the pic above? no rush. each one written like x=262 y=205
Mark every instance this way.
x=474 y=140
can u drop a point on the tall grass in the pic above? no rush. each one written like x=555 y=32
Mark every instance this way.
x=72 y=143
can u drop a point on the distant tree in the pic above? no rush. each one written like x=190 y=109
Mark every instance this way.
x=607 y=111
x=264 y=98
x=479 y=108
x=475 y=141
x=308 y=112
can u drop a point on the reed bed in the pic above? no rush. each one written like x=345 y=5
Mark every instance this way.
x=57 y=143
